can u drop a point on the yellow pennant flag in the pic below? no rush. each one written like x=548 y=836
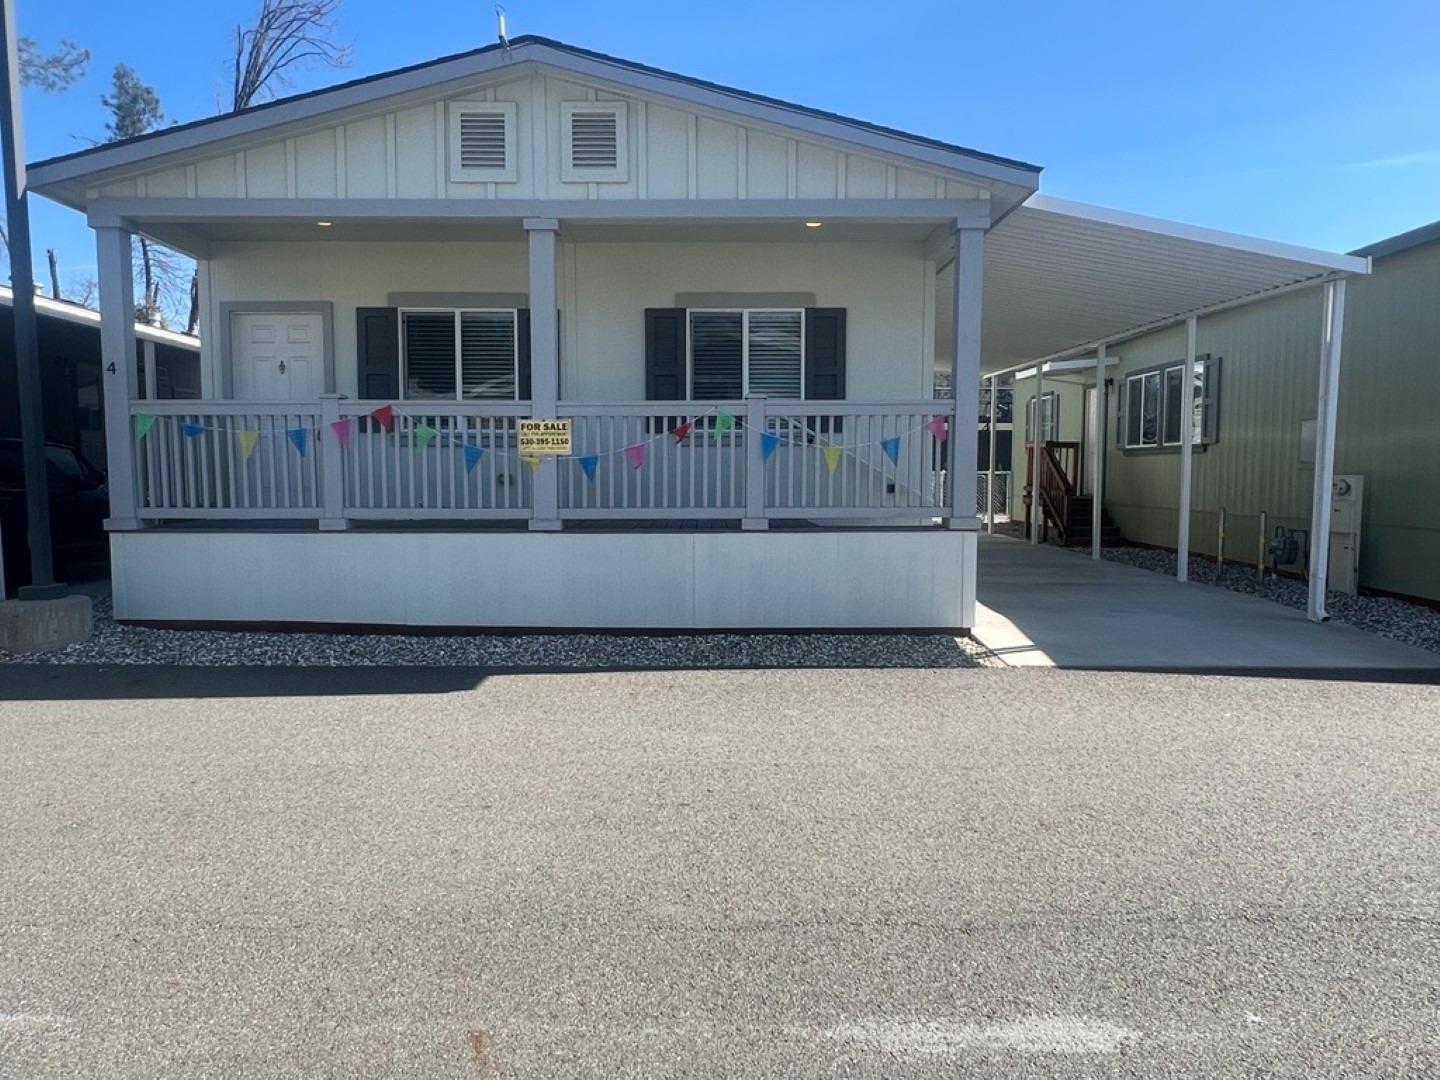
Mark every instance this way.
x=533 y=460
x=248 y=440
x=832 y=457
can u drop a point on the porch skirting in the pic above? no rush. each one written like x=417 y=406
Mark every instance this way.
x=822 y=579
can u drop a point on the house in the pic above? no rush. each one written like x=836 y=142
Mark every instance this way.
x=1255 y=446
x=167 y=366
x=531 y=336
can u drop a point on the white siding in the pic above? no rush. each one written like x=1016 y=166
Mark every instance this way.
x=674 y=153
x=604 y=291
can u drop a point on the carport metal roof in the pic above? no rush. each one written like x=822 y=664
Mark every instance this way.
x=1062 y=276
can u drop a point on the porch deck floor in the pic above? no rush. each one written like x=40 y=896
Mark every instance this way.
x=1047 y=607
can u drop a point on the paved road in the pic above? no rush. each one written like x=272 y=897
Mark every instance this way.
x=740 y=874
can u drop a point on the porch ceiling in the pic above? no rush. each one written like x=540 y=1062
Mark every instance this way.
x=1060 y=276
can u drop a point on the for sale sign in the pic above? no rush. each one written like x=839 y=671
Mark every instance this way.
x=545 y=436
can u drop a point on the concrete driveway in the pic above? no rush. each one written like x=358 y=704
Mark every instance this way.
x=819 y=873
x=1048 y=607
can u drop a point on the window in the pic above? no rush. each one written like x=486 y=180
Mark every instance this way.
x=468 y=355
x=1049 y=417
x=596 y=143
x=482 y=141
x=734 y=353
x=1153 y=401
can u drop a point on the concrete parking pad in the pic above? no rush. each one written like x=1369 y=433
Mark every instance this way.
x=1047 y=607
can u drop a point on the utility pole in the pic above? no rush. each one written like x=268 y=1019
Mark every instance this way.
x=27 y=350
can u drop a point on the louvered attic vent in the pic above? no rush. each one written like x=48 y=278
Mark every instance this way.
x=595 y=141
x=482 y=141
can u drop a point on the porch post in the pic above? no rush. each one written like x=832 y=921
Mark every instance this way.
x=965 y=376
x=1036 y=443
x=1097 y=454
x=1327 y=407
x=117 y=363
x=544 y=362
x=990 y=473
x=1187 y=451
x=755 y=517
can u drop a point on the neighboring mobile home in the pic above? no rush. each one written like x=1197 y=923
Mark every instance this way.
x=738 y=305
x=1255 y=443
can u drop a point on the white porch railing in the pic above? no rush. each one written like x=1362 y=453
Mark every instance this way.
x=334 y=461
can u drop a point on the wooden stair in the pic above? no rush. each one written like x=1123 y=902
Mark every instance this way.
x=1062 y=506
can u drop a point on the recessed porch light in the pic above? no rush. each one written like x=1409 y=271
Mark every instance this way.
x=324 y=224
x=813 y=224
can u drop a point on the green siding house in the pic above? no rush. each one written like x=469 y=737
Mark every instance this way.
x=1254 y=449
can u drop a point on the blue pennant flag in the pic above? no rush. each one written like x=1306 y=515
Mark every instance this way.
x=472 y=456
x=891 y=446
x=588 y=463
x=191 y=429
x=298 y=435
x=768 y=442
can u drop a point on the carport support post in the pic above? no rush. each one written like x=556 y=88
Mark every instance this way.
x=965 y=376
x=1327 y=407
x=1097 y=454
x=544 y=363
x=1037 y=425
x=990 y=472
x=117 y=363
x=1187 y=451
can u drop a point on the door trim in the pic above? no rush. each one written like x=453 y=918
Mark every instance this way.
x=228 y=308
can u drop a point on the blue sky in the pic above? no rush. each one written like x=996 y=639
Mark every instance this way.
x=1316 y=123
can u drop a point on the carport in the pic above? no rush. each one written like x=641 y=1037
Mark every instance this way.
x=1040 y=606
x=1064 y=281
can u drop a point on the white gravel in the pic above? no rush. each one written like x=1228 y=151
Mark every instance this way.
x=116 y=644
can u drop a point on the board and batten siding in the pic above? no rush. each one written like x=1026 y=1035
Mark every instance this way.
x=1388 y=427
x=605 y=288
x=674 y=152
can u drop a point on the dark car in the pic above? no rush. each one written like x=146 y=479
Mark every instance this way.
x=79 y=503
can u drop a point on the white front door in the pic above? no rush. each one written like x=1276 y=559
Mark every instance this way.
x=277 y=356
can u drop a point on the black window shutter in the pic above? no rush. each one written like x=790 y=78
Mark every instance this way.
x=522 y=349
x=664 y=354
x=825 y=354
x=377 y=344
x=1210 y=415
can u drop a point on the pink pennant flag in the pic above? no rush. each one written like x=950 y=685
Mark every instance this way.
x=635 y=454
x=342 y=431
x=938 y=427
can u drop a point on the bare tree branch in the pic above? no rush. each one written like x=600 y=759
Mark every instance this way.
x=286 y=34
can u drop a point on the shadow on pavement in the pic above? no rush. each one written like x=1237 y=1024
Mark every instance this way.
x=83 y=682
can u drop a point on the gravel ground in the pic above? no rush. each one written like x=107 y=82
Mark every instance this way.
x=116 y=644
x=1399 y=620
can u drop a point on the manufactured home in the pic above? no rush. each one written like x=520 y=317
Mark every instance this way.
x=1255 y=426
x=532 y=336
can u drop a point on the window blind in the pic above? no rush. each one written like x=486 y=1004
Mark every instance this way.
x=429 y=354
x=487 y=354
x=716 y=355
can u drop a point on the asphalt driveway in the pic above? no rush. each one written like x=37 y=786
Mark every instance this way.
x=732 y=873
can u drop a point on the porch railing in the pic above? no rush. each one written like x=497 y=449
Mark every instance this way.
x=334 y=461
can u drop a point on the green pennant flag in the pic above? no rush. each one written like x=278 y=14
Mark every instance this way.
x=723 y=422
x=143 y=422
x=424 y=435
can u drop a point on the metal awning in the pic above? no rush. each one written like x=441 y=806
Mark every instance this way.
x=1062 y=276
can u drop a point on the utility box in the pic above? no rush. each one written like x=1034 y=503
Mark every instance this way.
x=1346 y=512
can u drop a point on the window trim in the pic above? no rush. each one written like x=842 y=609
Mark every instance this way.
x=619 y=173
x=461 y=174
x=1209 y=364
x=744 y=314
x=459 y=396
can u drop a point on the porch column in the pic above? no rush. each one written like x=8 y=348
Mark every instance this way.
x=1097 y=454
x=1187 y=451
x=1036 y=444
x=965 y=375
x=544 y=362
x=117 y=363
x=1321 y=508
x=990 y=473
